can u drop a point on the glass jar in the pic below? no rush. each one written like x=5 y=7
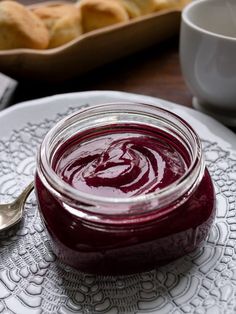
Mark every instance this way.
x=106 y=234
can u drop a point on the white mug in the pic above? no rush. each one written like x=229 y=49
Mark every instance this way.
x=208 y=56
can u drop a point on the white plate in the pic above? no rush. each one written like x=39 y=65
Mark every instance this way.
x=33 y=281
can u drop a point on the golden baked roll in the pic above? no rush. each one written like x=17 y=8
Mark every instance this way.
x=20 y=28
x=96 y=14
x=137 y=8
x=62 y=21
x=131 y=7
x=170 y=4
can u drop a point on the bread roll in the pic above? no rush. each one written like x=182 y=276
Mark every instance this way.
x=62 y=21
x=131 y=8
x=20 y=28
x=96 y=14
x=137 y=8
x=170 y=4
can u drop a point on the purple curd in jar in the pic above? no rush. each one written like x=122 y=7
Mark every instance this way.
x=127 y=197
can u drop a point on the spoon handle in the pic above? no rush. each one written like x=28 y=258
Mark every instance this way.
x=25 y=193
x=11 y=213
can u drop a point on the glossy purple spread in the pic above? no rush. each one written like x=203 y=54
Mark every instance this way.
x=119 y=162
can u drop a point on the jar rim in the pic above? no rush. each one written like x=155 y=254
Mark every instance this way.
x=50 y=178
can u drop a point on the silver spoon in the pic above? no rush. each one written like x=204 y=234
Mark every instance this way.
x=12 y=213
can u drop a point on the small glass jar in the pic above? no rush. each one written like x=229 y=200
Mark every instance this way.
x=122 y=235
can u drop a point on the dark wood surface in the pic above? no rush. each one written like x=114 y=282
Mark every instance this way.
x=154 y=72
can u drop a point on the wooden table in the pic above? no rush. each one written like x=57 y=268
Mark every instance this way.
x=154 y=72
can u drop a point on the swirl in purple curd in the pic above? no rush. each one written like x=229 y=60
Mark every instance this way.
x=119 y=164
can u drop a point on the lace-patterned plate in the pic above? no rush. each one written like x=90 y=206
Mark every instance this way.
x=33 y=281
